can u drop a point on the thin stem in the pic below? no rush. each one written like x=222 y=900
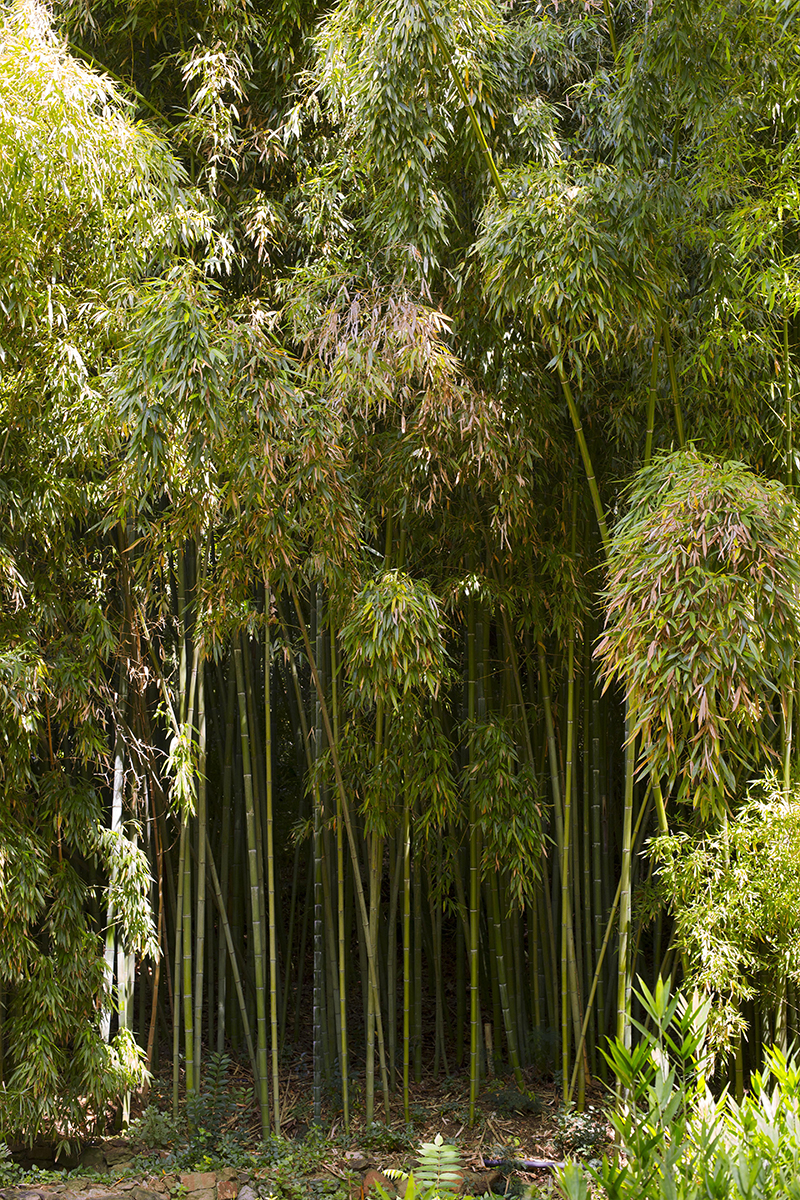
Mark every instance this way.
x=273 y=953
x=585 y=455
x=599 y=967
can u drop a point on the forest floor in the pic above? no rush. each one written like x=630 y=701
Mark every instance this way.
x=215 y=1150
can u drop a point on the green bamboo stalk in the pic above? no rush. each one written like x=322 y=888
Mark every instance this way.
x=227 y=805
x=461 y=995
x=253 y=851
x=516 y=946
x=566 y=906
x=673 y=383
x=586 y=457
x=343 y=1055
x=587 y=809
x=651 y=403
x=318 y=1005
x=306 y=746
x=188 y=1000
x=406 y=953
x=273 y=953
x=436 y=927
x=600 y=958
x=555 y=784
x=623 y=976
x=395 y=874
x=375 y=844
x=234 y=964
x=176 y=1013
x=362 y=906
x=259 y=798
x=500 y=960
x=474 y=882
x=416 y=893
x=462 y=91
x=375 y=850
x=533 y=962
x=597 y=881
x=200 y=926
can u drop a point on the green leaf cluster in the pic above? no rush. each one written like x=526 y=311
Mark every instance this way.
x=702 y=618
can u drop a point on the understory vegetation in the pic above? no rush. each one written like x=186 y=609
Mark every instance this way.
x=400 y=565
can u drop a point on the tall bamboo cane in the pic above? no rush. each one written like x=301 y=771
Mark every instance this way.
x=273 y=954
x=343 y=1055
x=200 y=926
x=373 y=975
x=253 y=850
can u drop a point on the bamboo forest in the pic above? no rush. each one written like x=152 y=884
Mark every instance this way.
x=400 y=547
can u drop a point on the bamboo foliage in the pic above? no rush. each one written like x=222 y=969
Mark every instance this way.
x=365 y=392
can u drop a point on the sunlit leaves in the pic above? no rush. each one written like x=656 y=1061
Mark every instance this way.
x=86 y=192
x=571 y=253
x=393 y=640
x=734 y=893
x=383 y=74
x=703 y=619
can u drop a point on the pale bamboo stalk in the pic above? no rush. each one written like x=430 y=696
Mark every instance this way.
x=151 y=1035
x=116 y=824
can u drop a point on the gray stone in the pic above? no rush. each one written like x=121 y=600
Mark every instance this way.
x=140 y=1193
x=247 y=1193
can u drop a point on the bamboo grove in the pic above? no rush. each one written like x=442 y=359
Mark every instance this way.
x=400 y=559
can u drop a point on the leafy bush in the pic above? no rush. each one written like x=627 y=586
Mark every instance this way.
x=677 y=1141
x=734 y=894
x=154 y=1129
x=10 y=1172
x=583 y=1134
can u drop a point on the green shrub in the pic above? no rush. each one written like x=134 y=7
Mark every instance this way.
x=677 y=1141
x=154 y=1129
